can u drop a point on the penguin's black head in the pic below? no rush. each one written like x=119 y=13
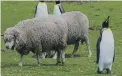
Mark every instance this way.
x=105 y=24
x=41 y=1
x=57 y=1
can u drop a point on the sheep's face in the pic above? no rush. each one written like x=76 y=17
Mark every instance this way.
x=10 y=36
x=9 y=41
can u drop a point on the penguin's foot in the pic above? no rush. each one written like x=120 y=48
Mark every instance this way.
x=108 y=71
x=99 y=72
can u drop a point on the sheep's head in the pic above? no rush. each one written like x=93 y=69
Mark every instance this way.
x=9 y=38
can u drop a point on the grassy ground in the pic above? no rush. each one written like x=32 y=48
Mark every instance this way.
x=81 y=65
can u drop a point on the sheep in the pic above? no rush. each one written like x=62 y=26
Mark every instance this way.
x=38 y=35
x=78 y=26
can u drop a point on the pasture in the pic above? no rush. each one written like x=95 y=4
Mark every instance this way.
x=15 y=11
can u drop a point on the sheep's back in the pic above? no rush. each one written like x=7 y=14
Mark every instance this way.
x=78 y=25
x=50 y=33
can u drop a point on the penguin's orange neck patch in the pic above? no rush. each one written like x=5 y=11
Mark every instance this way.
x=108 y=28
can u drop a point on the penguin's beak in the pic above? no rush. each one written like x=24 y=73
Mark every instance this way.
x=106 y=23
x=107 y=20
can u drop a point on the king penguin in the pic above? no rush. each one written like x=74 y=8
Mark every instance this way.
x=58 y=8
x=105 y=48
x=41 y=9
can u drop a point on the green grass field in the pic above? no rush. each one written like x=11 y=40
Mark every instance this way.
x=81 y=65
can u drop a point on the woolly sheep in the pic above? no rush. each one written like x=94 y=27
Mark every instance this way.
x=38 y=35
x=78 y=26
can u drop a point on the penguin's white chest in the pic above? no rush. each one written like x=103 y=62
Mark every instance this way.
x=107 y=47
x=56 y=10
x=42 y=10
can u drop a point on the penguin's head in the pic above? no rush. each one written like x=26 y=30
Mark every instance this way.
x=41 y=0
x=57 y=1
x=105 y=24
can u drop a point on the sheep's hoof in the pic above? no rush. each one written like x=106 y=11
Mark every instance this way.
x=39 y=65
x=63 y=63
x=72 y=56
x=20 y=64
x=60 y=63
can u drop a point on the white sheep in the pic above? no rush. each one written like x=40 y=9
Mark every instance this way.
x=38 y=35
x=78 y=26
x=49 y=33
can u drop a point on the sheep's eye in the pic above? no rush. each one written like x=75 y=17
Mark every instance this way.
x=5 y=40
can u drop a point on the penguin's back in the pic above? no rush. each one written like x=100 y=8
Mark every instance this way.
x=42 y=10
x=107 y=46
x=56 y=10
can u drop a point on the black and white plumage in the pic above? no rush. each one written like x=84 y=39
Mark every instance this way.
x=58 y=8
x=41 y=9
x=105 y=48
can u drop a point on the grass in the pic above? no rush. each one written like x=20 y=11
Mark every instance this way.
x=13 y=12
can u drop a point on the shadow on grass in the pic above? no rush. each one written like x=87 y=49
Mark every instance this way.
x=66 y=56
x=9 y=65
x=50 y=65
x=75 y=56
x=27 y=65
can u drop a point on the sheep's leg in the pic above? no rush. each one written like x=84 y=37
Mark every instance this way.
x=38 y=52
x=58 y=58
x=20 y=62
x=38 y=58
x=62 y=57
x=88 y=46
x=75 y=48
x=55 y=55
x=43 y=55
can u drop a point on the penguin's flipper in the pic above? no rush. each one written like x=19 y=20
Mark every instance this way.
x=114 y=56
x=98 y=49
x=61 y=8
x=36 y=9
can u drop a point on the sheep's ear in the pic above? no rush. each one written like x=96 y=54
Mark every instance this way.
x=2 y=35
x=16 y=33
